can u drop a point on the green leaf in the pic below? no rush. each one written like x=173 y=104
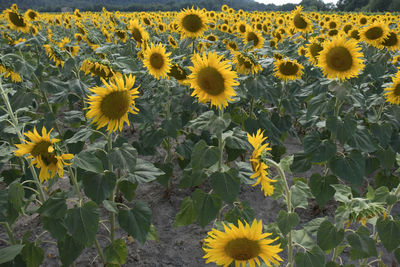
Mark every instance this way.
x=226 y=185
x=206 y=206
x=342 y=129
x=136 y=221
x=389 y=233
x=350 y=168
x=390 y=181
x=286 y=162
x=311 y=142
x=300 y=192
x=186 y=214
x=9 y=253
x=116 y=252
x=56 y=227
x=321 y=188
x=317 y=106
x=152 y=234
x=127 y=188
x=301 y=237
x=81 y=135
x=191 y=178
x=54 y=207
x=382 y=132
x=328 y=237
x=124 y=157
x=69 y=250
x=287 y=221
x=241 y=211
x=110 y=206
x=386 y=157
x=312 y=226
x=218 y=124
x=83 y=222
x=363 y=141
x=144 y=172
x=236 y=139
x=397 y=255
x=301 y=163
x=342 y=193
x=325 y=151
x=362 y=245
x=172 y=126
x=98 y=186
x=204 y=156
x=33 y=255
x=313 y=258
x=87 y=161
x=16 y=195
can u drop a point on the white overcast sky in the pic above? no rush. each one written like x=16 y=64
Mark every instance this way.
x=281 y=2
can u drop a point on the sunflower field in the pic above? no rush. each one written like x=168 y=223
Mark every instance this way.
x=199 y=138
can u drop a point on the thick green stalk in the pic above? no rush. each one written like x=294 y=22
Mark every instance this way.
x=9 y=232
x=220 y=143
x=111 y=198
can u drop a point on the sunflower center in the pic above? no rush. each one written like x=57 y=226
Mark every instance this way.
x=157 y=60
x=16 y=19
x=396 y=90
x=137 y=35
x=339 y=58
x=245 y=62
x=49 y=158
x=120 y=34
x=288 y=68
x=251 y=36
x=315 y=49
x=242 y=28
x=41 y=148
x=211 y=81
x=299 y=22
x=242 y=249
x=32 y=15
x=177 y=73
x=363 y=21
x=374 y=33
x=115 y=105
x=192 y=23
x=347 y=28
x=355 y=34
x=391 y=40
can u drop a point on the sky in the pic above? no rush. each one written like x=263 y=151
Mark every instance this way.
x=281 y=2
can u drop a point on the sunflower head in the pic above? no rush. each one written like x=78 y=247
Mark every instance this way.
x=138 y=32
x=245 y=63
x=254 y=37
x=16 y=21
x=241 y=244
x=340 y=58
x=192 y=23
x=110 y=105
x=31 y=15
x=375 y=33
x=391 y=42
x=393 y=92
x=313 y=50
x=172 y=42
x=212 y=79
x=178 y=73
x=157 y=61
x=287 y=69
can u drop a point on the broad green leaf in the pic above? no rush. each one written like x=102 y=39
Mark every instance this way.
x=317 y=106
x=83 y=222
x=56 y=227
x=81 y=135
x=226 y=184
x=382 y=132
x=312 y=226
x=204 y=156
x=110 y=206
x=127 y=188
x=301 y=237
x=300 y=193
x=301 y=163
x=287 y=221
x=144 y=172
x=286 y=162
x=124 y=157
x=16 y=195
x=186 y=214
x=87 y=161
x=98 y=186
x=342 y=129
x=389 y=233
x=206 y=206
x=236 y=139
x=312 y=258
x=9 y=253
x=342 y=193
x=325 y=151
x=397 y=255
x=241 y=211
x=362 y=245
x=386 y=157
x=54 y=207
x=116 y=252
x=152 y=234
x=191 y=178
x=328 y=237
x=363 y=141
x=311 y=142
x=69 y=250
x=33 y=255
x=136 y=221
x=321 y=188
x=350 y=168
x=386 y=179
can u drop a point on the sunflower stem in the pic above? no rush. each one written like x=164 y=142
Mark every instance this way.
x=220 y=142
x=96 y=243
x=75 y=182
x=379 y=113
x=14 y=119
x=288 y=198
x=9 y=232
x=110 y=167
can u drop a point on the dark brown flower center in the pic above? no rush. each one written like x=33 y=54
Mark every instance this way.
x=374 y=33
x=16 y=19
x=339 y=59
x=391 y=40
x=242 y=28
x=157 y=60
x=315 y=49
x=251 y=36
x=137 y=35
x=396 y=90
x=211 y=81
x=299 y=22
x=115 y=105
x=288 y=68
x=192 y=23
x=242 y=249
x=177 y=72
x=41 y=148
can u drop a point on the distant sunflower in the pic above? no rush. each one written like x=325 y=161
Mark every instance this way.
x=31 y=15
x=341 y=58
x=241 y=27
x=375 y=33
x=259 y=167
x=97 y=69
x=393 y=92
x=241 y=244
x=192 y=23
x=138 y=32
x=245 y=64
x=110 y=105
x=8 y=72
x=287 y=69
x=391 y=42
x=54 y=55
x=300 y=22
x=16 y=21
x=42 y=152
x=157 y=61
x=179 y=74
x=212 y=79
x=172 y=42
x=255 y=37
x=313 y=49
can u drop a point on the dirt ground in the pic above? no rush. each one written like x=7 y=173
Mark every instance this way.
x=176 y=246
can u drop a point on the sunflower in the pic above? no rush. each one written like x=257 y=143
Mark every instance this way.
x=16 y=21
x=259 y=167
x=97 y=69
x=313 y=49
x=393 y=92
x=340 y=58
x=300 y=22
x=178 y=73
x=255 y=37
x=375 y=33
x=391 y=42
x=245 y=64
x=8 y=72
x=172 y=42
x=212 y=79
x=157 y=61
x=287 y=69
x=110 y=105
x=121 y=34
x=241 y=244
x=138 y=32
x=192 y=23
x=54 y=55
x=241 y=27
x=232 y=45
x=31 y=15
x=42 y=152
